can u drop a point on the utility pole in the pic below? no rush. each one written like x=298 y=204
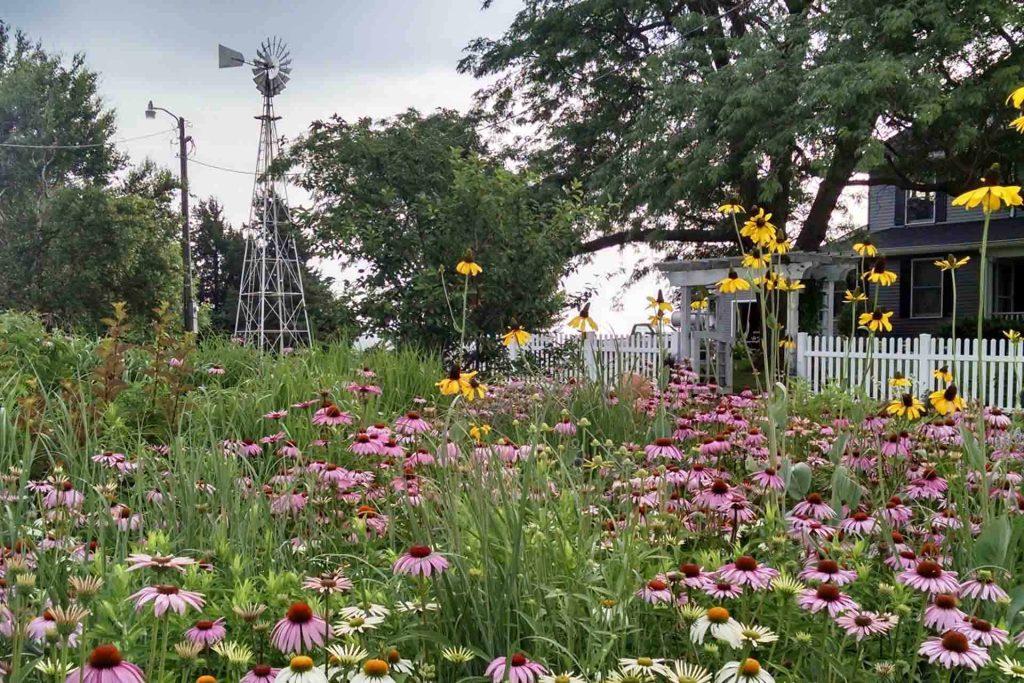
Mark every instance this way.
x=187 y=304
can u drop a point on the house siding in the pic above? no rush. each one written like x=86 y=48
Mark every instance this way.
x=881 y=207
x=889 y=298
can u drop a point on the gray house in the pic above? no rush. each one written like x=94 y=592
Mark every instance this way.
x=914 y=229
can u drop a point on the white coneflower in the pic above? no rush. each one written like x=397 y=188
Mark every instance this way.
x=457 y=655
x=755 y=635
x=373 y=671
x=786 y=584
x=364 y=610
x=720 y=623
x=396 y=663
x=564 y=677
x=747 y=671
x=189 y=650
x=237 y=654
x=301 y=670
x=347 y=656
x=683 y=672
x=53 y=667
x=418 y=607
x=1010 y=668
x=643 y=665
x=357 y=624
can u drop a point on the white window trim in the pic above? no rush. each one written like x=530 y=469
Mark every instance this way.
x=942 y=291
x=927 y=221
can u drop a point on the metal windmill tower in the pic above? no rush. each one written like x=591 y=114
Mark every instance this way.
x=271 y=311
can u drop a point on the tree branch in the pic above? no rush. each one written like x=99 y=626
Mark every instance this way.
x=634 y=235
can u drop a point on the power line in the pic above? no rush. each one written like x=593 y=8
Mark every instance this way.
x=13 y=145
x=610 y=72
x=193 y=160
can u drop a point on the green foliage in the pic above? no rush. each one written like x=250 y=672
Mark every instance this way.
x=401 y=200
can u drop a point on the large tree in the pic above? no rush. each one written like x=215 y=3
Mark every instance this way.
x=399 y=202
x=665 y=108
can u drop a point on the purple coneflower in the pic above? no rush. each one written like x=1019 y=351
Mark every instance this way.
x=814 y=506
x=331 y=416
x=105 y=665
x=694 y=575
x=325 y=584
x=745 y=571
x=930 y=577
x=519 y=669
x=420 y=560
x=827 y=570
x=158 y=562
x=722 y=589
x=768 y=478
x=411 y=424
x=859 y=523
x=300 y=630
x=206 y=632
x=861 y=624
x=655 y=591
x=275 y=415
x=165 y=597
x=954 y=649
x=663 y=448
x=982 y=632
x=828 y=597
x=564 y=427
x=944 y=613
x=261 y=673
x=984 y=587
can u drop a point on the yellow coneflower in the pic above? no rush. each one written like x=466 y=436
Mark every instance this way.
x=899 y=381
x=455 y=382
x=787 y=344
x=730 y=208
x=516 y=335
x=879 y=275
x=467 y=266
x=478 y=432
x=699 y=304
x=756 y=259
x=658 y=319
x=991 y=195
x=777 y=246
x=876 y=321
x=865 y=248
x=1013 y=335
x=908 y=406
x=770 y=281
x=943 y=374
x=854 y=296
x=952 y=263
x=658 y=303
x=732 y=283
x=583 y=320
x=758 y=228
x=473 y=388
x=1018 y=124
x=946 y=401
x=1017 y=97
x=791 y=285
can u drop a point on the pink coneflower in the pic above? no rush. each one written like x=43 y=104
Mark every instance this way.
x=289 y=449
x=930 y=577
x=861 y=624
x=165 y=597
x=984 y=587
x=929 y=486
x=896 y=513
x=411 y=424
x=828 y=571
x=722 y=589
x=564 y=427
x=105 y=665
x=982 y=632
x=124 y=518
x=261 y=673
x=215 y=370
x=713 y=447
x=519 y=669
x=996 y=418
x=954 y=649
x=63 y=494
x=364 y=390
x=814 y=506
x=655 y=591
x=745 y=571
x=248 y=448
x=694 y=576
x=325 y=584
x=158 y=562
x=44 y=627
x=206 y=632
x=859 y=523
x=275 y=415
x=109 y=459
x=893 y=447
x=944 y=613
x=768 y=478
x=663 y=448
x=331 y=415
x=420 y=560
x=300 y=630
x=828 y=597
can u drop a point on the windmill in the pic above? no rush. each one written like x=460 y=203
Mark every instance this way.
x=271 y=311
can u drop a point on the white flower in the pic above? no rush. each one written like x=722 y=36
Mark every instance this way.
x=417 y=607
x=457 y=655
x=722 y=626
x=357 y=624
x=347 y=656
x=643 y=666
x=1011 y=668
x=754 y=635
x=747 y=671
x=365 y=610
x=373 y=671
x=301 y=670
x=683 y=672
x=565 y=677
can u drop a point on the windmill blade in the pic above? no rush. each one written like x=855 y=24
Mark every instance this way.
x=227 y=58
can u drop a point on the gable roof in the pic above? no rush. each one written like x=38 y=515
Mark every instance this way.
x=944 y=236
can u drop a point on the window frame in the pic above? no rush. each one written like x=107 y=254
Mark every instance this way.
x=920 y=221
x=941 y=288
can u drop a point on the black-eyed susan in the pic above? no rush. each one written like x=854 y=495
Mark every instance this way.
x=732 y=283
x=777 y=246
x=467 y=266
x=478 y=432
x=991 y=196
x=758 y=228
x=1016 y=97
x=516 y=335
x=791 y=285
x=659 y=319
x=1013 y=335
x=907 y=405
x=899 y=381
x=943 y=374
x=854 y=296
x=1018 y=124
x=865 y=248
x=699 y=305
x=952 y=262
x=876 y=320
x=454 y=383
x=770 y=281
x=730 y=208
x=787 y=344
x=946 y=401
x=879 y=275
x=658 y=303
x=583 y=320
x=756 y=259
x=473 y=388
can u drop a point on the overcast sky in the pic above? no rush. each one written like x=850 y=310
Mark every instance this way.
x=350 y=57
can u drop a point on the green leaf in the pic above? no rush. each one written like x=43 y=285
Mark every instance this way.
x=800 y=480
x=993 y=542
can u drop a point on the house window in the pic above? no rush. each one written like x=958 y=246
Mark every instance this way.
x=920 y=207
x=925 y=289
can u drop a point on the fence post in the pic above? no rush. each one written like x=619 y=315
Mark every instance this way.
x=801 y=355
x=590 y=343
x=925 y=357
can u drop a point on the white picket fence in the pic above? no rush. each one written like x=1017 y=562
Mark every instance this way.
x=872 y=362
x=603 y=357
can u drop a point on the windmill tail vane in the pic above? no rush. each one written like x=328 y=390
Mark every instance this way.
x=271 y=312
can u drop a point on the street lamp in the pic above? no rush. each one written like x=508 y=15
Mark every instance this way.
x=188 y=307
